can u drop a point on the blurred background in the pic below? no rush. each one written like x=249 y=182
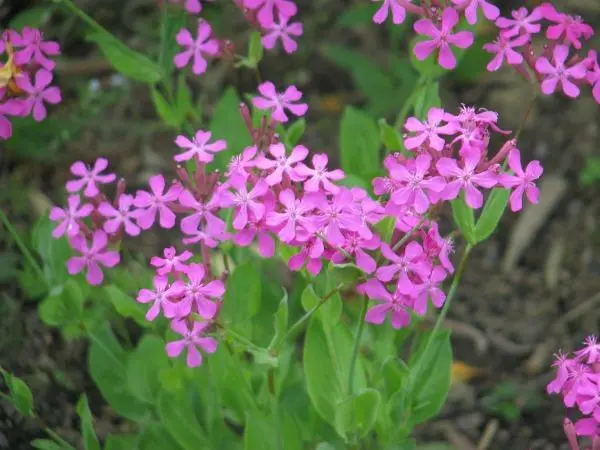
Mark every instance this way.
x=533 y=288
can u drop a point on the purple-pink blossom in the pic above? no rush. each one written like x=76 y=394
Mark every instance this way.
x=161 y=295
x=198 y=296
x=521 y=23
x=395 y=304
x=68 y=218
x=296 y=213
x=89 y=177
x=172 y=262
x=282 y=31
x=503 y=47
x=410 y=262
x=157 y=202
x=32 y=48
x=571 y=29
x=247 y=204
x=319 y=177
x=266 y=9
x=122 y=216
x=38 y=94
x=559 y=73
x=398 y=12
x=193 y=341
x=427 y=131
x=522 y=181
x=199 y=147
x=278 y=102
x=490 y=11
x=92 y=257
x=282 y=163
x=197 y=48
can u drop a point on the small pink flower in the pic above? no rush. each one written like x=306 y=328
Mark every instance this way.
x=282 y=164
x=564 y=367
x=570 y=28
x=199 y=147
x=559 y=73
x=278 y=102
x=203 y=215
x=171 y=261
x=92 y=257
x=197 y=48
x=521 y=23
x=521 y=181
x=39 y=93
x=411 y=262
x=396 y=304
x=310 y=254
x=197 y=295
x=240 y=163
x=282 y=30
x=398 y=12
x=441 y=39
x=491 y=12
x=436 y=246
x=355 y=246
x=12 y=107
x=120 y=217
x=89 y=177
x=296 y=214
x=503 y=48
x=428 y=131
x=430 y=289
x=161 y=295
x=157 y=202
x=466 y=178
x=68 y=217
x=319 y=176
x=192 y=341
x=244 y=201
x=591 y=352
x=266 y=9
x=34 y=48
x=336 y=216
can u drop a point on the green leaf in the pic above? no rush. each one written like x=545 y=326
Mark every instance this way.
x=327 y=354
x=227 y=123
x=492 y=213
x=359 y=142
x=255 y=50
x=167 y=113
x=242 y=298
x=280 y=322
x=259 y=433
x=428 y=97
x=129 y=63
x=185 y=102
x=356 y=15
x=47 y=444
x=177 y=415
x=295 y=132
x=54 y=252
x=331 y=310
x=125 y=305
x=431 y=377
x=121 y=442
x=144 y=367
x=19 y=393
x=107 y=363
x=31 y=17
x=386 y=228
x=156 y=437
x=63 y=307
x=390 y=137
x=173 y=20
x=359 y=413
x=464 y=219
x=90 y=440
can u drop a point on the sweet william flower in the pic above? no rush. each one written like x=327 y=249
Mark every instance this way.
x=441 y=38
x=197 y=48
x=38 y=93
x=171 y=261
x=397 y=10
x=120 y=217
x=428 y=131
x=68 y=217
x=33 y=48
x=92 y=257
x=160 y=296
x=490 y=11
x=193 y=340
x=521 y=23
x=559 y=73
x=503 y=47
x=266 y=9
x=319 y=177
x=157 y=202
x=430 y=289
x=522 y=181
x=199 y=147
x=278 y=102
x=282 y=31
x=89 y=177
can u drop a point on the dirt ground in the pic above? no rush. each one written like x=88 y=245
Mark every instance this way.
x=533 y=288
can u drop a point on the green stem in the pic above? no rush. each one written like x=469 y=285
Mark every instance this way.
x=409 y=103
x=356 y=346
x=57 y=438
x=22 y=247
x=243 y=340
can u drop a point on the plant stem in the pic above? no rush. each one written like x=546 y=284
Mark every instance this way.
x=22 y=247
x=355 y=348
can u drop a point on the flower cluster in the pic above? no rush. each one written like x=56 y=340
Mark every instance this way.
x=26 y=76
x=578 y=381
x=557 y=64
x=273 y=18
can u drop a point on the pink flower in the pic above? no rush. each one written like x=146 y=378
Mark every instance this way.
x=522 y=181
x=157 y=202
x=282 y=163
x=282 y=30
x=310 y=253
x=89 y=177
x=171 y=261
x=411 y=262
x=296 y=214
x=277 y=102
x=34 y=48
x=414 y=185
x=202 y=211
x=593 y=76
x=503 y=48
x=239 y=163
x=337 y=216
x=319 y=176
x=198 y=147
x=491 y=12
x=570 y=28
x=266 y=9
x=198 y=48
x=68 y=217
x=92 y=257
x=398 y=12
x=428 y=131
x=120 y=217
x=430 y=289
x=442 y=38
x=39 y=93
x=521 y=23
x=559 y=73
x=466 y=178
x=197 y=294
x=355 y=246
x=591 y=352
x=244 y=201
x=564 y=367
x=436 y=246
x=11 y=107
x=161 y=295
x=192 y=341
x=395 y=303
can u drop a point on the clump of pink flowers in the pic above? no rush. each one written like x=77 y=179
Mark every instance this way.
x=577 y=380
x=26 y=76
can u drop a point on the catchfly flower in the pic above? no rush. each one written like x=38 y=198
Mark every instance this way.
x=278 y=102
x=196 y=49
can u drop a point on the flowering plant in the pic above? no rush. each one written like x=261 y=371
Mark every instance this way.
x=362 y=247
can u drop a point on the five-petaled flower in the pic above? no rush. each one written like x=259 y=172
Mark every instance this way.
x=560 y=73
x=197 y=48
x=89 y=177
x=199 y=147
x=92 y=257
x=193 y=339
x=38 y=93
x=68 y=217
x=282 y=31
x=278 y=102
x=522 y=181
x=157 y=202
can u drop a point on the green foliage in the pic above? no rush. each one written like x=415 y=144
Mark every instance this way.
x=19 y=393
x=53 y=252
x=258 y=433
x=358 y=414
x=590 y=174
x=177 y=415
x=509 y=400
x=295 y=132
x=173 y=20
x=144 y=366
x=121 y=442
x=165 y=111
x=492 y=213
x=464 y=218
x=47 y=444
x=359 y=144
x=242 y=299
x=90 y=440
x=255 y=50
x=390 y=137
x=64 y=306
x=126 y=305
